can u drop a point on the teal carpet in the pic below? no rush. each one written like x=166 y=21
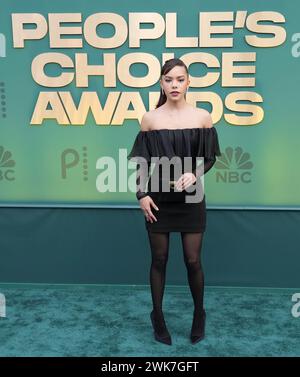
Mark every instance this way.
x=103 y=320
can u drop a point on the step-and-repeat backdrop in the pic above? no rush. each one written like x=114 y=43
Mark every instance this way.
x=76 y=78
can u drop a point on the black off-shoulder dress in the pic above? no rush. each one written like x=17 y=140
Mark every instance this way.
x=175 y=213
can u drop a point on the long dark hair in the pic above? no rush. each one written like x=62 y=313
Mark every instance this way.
x=169 y=64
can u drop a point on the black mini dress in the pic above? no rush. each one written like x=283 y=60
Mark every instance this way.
x=176 y=213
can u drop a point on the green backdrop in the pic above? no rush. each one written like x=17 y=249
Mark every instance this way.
x=55 y=165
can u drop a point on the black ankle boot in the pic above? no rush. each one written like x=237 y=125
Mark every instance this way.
x=198 y=327
x=162 y=337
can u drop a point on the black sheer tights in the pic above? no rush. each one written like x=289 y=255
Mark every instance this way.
x=191 y=244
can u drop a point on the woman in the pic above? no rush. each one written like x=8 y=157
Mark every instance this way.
x=175 y=128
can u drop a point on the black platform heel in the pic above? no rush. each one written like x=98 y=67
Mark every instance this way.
x=199 y=334
x=163 y=339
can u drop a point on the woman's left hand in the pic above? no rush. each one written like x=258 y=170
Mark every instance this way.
x=186 y=180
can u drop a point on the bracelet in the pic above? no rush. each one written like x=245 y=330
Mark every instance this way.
x=140 y=195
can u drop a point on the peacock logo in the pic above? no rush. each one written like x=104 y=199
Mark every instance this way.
x=6 y=165
x=234 y=166
x=74 y=160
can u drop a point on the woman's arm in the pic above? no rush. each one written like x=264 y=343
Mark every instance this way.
x=144 y=169
x=207 y=162
x=141 y=180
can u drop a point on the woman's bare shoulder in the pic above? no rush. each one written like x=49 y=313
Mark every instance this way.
x=204 y=117
x=148 y=120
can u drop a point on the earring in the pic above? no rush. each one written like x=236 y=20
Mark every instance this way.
x=162 y=91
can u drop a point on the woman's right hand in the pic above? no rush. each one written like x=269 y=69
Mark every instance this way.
x=146 y=204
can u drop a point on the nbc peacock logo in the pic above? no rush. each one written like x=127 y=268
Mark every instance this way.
x=234 y=166
x=6 y=165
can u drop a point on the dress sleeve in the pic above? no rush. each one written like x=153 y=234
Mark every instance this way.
x=140 y=147
x=208 y=148
x=140 y=153
x=141 y=180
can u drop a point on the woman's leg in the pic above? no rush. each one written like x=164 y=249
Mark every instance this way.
x=159 y=243
x=192 y=244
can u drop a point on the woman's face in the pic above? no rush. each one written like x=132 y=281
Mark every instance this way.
x=175 y=81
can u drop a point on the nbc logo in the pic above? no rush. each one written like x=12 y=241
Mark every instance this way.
x=233 y=166
x=6 y=163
